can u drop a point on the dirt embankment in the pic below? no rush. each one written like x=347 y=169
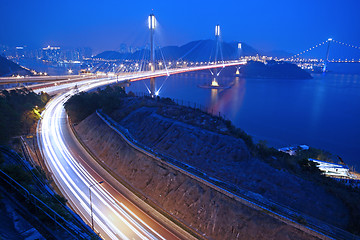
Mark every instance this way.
x=228 y=158
x=197 y=205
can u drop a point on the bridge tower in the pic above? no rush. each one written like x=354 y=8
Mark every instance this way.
x=238 y=57
x=327 y=56
x=152 y=21
x=214 y=82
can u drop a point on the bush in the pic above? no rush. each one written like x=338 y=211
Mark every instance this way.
x=84 y=104
x=1 y=158
x=20 y=175
x=17 y=107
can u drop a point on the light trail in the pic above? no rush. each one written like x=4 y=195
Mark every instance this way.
x=113 y=218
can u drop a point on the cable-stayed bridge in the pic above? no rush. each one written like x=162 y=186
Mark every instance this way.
x=305 y=56
x=148 y=65
x=110 y=215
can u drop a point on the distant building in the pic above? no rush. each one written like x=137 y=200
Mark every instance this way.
x=292 y=150
x=20 y=52
x=51 y=53
x=332 y=169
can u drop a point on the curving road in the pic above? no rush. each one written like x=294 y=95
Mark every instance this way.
x=75 y=172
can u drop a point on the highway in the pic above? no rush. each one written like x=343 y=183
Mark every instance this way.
x=35 y=79
x=75 y=174
x=113 y=215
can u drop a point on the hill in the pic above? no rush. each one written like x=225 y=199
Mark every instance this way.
x=201 y=50
x=273 y=70
x=9 y=68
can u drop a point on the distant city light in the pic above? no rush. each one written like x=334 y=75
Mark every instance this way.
x=51 y=48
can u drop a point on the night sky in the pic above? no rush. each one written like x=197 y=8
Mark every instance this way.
x=103 y=25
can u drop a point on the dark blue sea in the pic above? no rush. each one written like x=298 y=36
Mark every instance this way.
x=323 y=112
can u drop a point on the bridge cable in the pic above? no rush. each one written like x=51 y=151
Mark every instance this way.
x=309 y=49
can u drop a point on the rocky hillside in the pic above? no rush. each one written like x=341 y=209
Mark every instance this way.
x=228 y=158
x=201 y=207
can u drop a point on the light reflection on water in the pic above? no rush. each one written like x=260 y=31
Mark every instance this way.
x=323 y=112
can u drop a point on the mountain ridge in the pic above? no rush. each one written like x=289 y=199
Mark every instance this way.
x=199 y=50
x=8 y=68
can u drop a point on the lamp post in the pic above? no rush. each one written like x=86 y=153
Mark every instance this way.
x=91 y=211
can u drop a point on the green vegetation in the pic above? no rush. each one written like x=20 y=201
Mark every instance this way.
x=83 y=104
x=19 y=112
x=1 y=158
x=19 y=174
x=28 y=181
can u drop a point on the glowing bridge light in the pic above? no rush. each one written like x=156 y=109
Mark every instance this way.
x=330 y=39
x=217 y=30
x=151 y=21
x=239 y=46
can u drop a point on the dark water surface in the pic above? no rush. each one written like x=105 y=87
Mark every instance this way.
x=323 y=112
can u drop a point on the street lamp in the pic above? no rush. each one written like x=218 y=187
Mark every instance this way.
x=91 y=211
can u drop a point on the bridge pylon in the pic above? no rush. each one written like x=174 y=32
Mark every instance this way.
x=214 y=82
x=152 y=22
x=237 y=73
x=327 y=56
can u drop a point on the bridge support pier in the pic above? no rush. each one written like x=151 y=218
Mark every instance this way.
x=214 y=83
x=152 y=87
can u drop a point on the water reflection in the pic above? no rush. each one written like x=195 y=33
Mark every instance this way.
x=322 y=112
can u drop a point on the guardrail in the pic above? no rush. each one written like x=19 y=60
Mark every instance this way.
x=72 y=227
x=35 y=203
x=232 y=190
